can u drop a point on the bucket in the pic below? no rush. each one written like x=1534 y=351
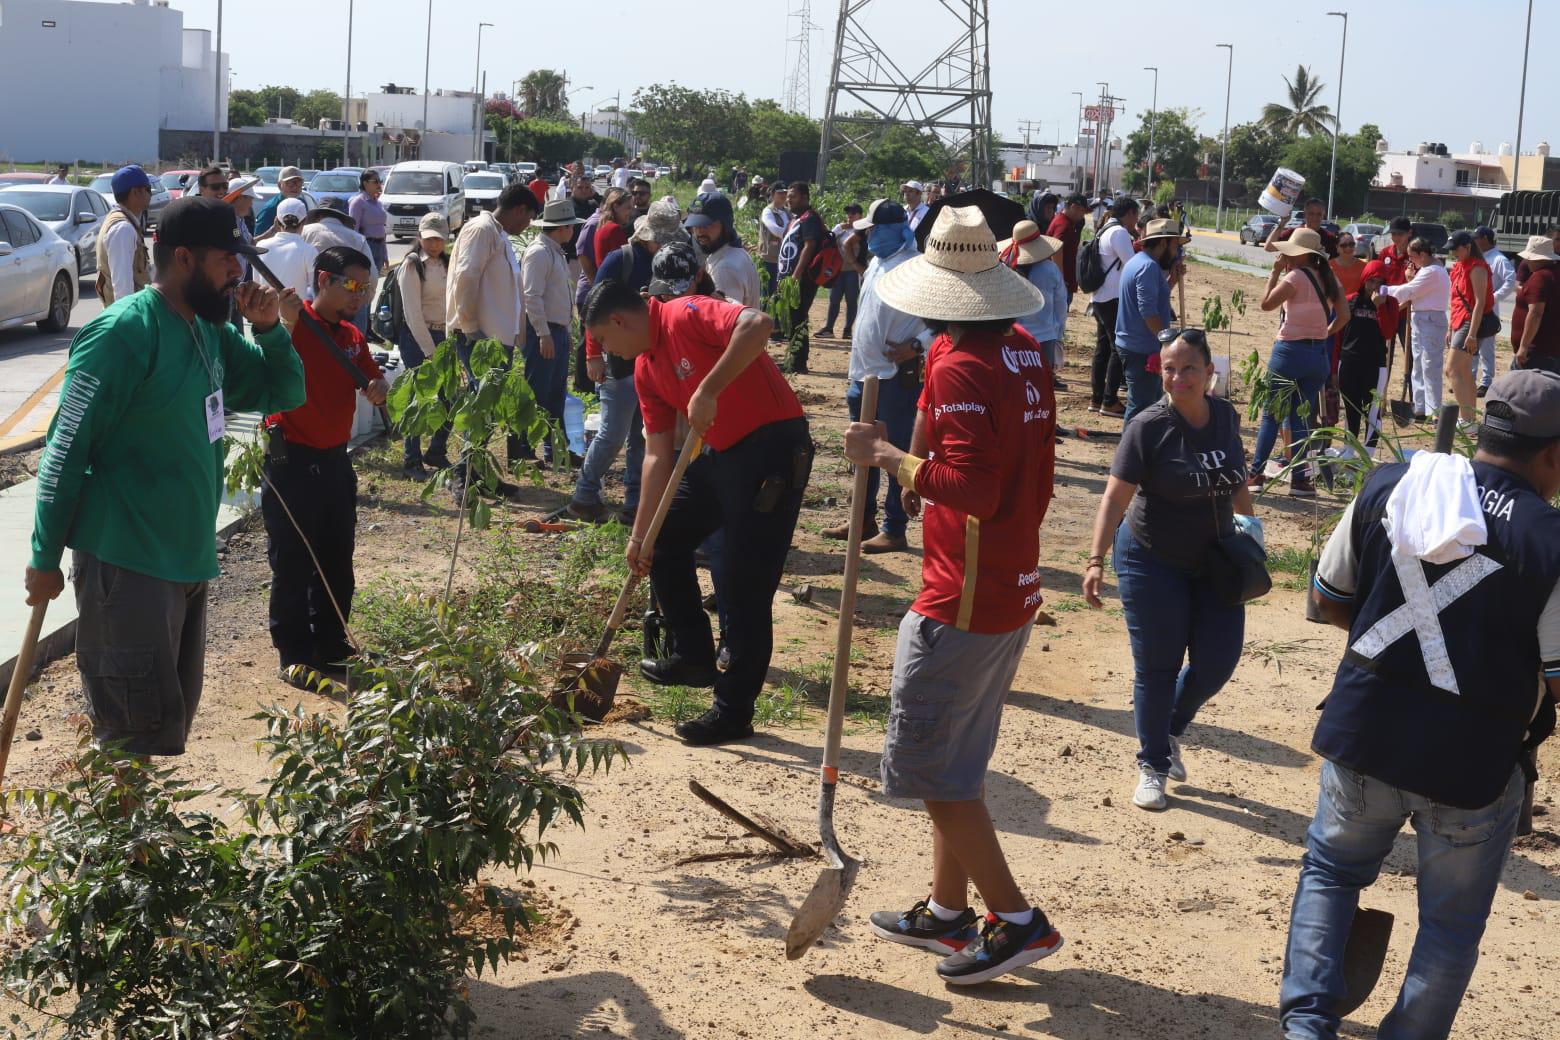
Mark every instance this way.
x=1282 y=193
x=1221 y=377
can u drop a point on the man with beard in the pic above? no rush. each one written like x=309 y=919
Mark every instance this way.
x=711 y=223
x=803 y=238
x=131 y=476
x=310 y=494
x=1144 y=310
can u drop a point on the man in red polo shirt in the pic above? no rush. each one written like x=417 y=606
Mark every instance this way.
x=307 y=468
x=704 y=359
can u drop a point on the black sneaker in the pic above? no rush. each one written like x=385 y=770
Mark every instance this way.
x=414 y=471
x=1001 y=948
x=713 y=728
x=918 y=926
x=590 y=512
x=674 y=671
x=1484 y=388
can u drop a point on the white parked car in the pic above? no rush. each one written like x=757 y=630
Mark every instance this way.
x=417 y=188
x=37 y=273
x=74 y=213
x=483 y=190
x=526 y=171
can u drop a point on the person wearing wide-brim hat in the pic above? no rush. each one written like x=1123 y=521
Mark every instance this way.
x=1535 y=323
x=1143 y=310
x=547 y=287
x=1315 y=306
x=1038 y=258
x=982 y=461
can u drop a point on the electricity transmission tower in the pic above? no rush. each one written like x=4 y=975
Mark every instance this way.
x=798 y=85
x=950 y=96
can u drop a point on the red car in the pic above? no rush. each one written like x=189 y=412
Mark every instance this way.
x=179 y=181
x=25 y=178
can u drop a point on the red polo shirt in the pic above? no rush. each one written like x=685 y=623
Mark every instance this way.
x=990 y=415
x=324 y=420
x=1389 y=312
x=687 y=337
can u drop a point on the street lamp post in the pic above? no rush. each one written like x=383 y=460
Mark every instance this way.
x=1332 y=169
x=427 y=58
x=1224 y=149
x=216 y=114
x=1516 y=159
x=1153 y=122
x=476 y=94
x=346 y=102
x=1077 y=135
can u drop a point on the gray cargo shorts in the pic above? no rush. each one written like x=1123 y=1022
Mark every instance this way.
x=141 y=649
x=948 y=692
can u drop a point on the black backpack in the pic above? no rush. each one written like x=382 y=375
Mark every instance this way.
x=1091 y=270
x=388 y=319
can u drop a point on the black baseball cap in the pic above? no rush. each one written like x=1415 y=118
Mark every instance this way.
x=711 y=207
x=196 y=222
x=1400 y=224
x=1459 y=239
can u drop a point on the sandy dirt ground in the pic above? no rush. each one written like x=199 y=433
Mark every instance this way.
x=665 y=921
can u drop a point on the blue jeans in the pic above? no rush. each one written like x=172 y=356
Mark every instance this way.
x=620 y=422
x=1143 y=387
x=1297 y=369
x=846 y=286
x=1461 y=854
x=1172 y=617
x=1485 y=365
x=896 y=411
x=412 y=356
x=548 y=377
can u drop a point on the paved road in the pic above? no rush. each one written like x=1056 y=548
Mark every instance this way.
x=32 y=364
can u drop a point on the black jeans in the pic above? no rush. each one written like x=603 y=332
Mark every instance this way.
x=320 y=489
x=1357 y=378
x=801 y=342
x=751 y=493
x=411 y=357
x=1106 y=378
x=847 y=287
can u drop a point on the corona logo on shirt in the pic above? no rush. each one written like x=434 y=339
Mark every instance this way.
x=1014 y=359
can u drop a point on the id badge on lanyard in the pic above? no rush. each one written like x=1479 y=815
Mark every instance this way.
x=216 y=419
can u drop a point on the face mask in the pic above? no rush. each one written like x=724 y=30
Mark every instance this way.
x=885 y=240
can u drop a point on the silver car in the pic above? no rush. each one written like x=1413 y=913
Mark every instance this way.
x=37 y=273
x=71 y=212
x=103 y=184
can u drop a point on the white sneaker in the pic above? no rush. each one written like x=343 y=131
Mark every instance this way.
x=1150 y=793
x=1177 y=767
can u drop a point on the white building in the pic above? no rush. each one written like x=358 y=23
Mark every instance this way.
x=1433 y=167
x=1061 y=167
x=451 y=116
x=97 y=81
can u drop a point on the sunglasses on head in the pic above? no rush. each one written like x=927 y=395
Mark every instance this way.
x=351 y=285
x=1170 y=335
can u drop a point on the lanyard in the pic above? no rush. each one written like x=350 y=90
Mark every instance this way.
x=200 y=350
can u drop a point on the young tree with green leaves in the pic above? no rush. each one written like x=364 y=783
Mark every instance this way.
x=1176 y=147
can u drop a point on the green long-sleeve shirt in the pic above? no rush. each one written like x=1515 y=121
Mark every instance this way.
x=129 y=473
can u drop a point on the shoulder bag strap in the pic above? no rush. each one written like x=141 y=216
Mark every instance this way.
x=1327 y=306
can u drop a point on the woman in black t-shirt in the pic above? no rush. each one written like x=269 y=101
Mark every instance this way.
x=1362 y=353
x=1177 y=482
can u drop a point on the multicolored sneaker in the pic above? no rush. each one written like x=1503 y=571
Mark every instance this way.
x=1001 y=948
x=918 y=926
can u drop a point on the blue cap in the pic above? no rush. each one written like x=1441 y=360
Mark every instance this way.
x=1484 y=231
x=710 y=207
x=127 y=177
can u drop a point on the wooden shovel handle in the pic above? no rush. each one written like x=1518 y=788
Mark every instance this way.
x=690 y=450
x=839 y=683
x=20 y=673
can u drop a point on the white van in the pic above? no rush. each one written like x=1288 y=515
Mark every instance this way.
x=414 y=189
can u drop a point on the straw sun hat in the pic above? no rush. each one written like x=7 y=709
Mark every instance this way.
x=1303 y=241
x=1028 y=245
x=960 y=277
x=1539 y=247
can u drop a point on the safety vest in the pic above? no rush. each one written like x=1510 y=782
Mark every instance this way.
x=1441 y=677
x=142 y=267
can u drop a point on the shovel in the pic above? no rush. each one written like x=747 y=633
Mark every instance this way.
x=828 y=893
x=595 y=676
x=20 y=673
x=1403 y=411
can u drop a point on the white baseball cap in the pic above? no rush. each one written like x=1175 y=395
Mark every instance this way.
x=291 y=208
x=914 y=186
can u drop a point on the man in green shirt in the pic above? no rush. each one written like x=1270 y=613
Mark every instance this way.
x=131 y=476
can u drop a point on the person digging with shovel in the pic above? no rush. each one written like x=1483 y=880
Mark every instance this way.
x=1446 y=574
x=989 y=416
x=704 y=359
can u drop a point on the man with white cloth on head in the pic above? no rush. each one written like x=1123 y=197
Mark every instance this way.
x=1446 y=574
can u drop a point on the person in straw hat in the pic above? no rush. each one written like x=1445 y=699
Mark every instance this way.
x=1302 y=282
x=1143 y=310
x=1037 y=257
x=1535 y=330
x=548 y=290
x=983 y=460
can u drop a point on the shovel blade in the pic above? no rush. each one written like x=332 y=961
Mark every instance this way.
x=593 y=682
x=1364 y=957
x=1402 y=413
x=822 y=905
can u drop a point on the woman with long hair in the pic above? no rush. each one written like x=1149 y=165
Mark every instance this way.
x=1430 y=292
x=1176 y=485
x=617 y=221
x=1473 y=305
x=1303 y=284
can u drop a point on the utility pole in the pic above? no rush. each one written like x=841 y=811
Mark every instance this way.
x=1076 y=145
x=1153 y=123
x=427 y=58
x=1332 y=169
x=1516 y=159
x=1224 y=149
x=1029 y=126
x=216 y=100
x=346 y=101
x=476 y=92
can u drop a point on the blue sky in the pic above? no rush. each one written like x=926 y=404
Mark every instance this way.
x=1396 y=75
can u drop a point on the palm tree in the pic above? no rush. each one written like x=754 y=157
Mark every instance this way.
x=1302 y=115
x=543 y=92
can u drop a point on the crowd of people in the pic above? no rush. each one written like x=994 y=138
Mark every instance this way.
x=1442 y=570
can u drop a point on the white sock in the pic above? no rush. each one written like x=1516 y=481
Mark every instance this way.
x=942 y=913
x=1022 y=917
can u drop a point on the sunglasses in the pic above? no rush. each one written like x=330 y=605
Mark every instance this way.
x=1170 y=335
x=1345 y=245
x=217 y=185
x=351 y=285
